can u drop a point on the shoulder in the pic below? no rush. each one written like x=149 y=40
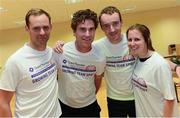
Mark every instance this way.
x=97 y=52
x=159 y=60
x=69 y=45
x=16 y=56
x=14 y=62
x=124 y=38
x=100 y=41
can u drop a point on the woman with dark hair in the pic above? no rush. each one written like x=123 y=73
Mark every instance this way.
x=152 y=78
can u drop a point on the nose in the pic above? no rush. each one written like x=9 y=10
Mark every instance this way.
x=87 y=33
x=131 y=42
x=112 y=28
x=42 y=31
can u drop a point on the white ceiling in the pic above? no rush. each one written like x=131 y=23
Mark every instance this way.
x=13 y=14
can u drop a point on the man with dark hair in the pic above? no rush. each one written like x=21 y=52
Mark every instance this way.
x=31 y=74
x=81 y=67
x=119 y=64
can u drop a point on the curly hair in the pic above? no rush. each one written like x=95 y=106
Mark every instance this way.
x=82 y=15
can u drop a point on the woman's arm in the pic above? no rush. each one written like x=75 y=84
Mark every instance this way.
x=168 y=108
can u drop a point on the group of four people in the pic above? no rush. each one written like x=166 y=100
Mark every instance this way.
x=139 y=81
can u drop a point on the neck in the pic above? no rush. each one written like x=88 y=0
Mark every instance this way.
x=148 y=54
x=116 y=41
x=38 y=48
x=82 y=49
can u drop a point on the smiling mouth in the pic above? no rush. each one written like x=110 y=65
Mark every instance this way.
x=86 y=39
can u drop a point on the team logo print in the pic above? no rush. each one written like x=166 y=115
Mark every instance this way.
x=31 y=69
x=64 y=61
x=91 y=67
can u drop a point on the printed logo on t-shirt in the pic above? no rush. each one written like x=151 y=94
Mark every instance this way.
x=120 y=61
x=31 y=69
x=78 y=68
x=139 y=82
x=42 y=71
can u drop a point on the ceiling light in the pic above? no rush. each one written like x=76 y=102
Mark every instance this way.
x=72 y=1
x=129 y=9
x=2 y=9
x=20 y=22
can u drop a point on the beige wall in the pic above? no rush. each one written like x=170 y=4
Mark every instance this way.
x=164 y=25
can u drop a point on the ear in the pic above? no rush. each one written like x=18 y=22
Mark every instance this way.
x=26 y=28
x=74 y=33
x=121 y=23
x=51 y=26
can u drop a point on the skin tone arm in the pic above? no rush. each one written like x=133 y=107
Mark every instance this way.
x=58 y=48
x=168 y=108
x=173 y=65
x=97 y=81
x=178 y=71
x=5 y=99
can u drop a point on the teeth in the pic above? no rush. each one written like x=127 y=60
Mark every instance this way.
x=134 y=48
x=87 y=39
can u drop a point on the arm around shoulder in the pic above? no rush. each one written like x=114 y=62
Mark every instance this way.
x=5 y=99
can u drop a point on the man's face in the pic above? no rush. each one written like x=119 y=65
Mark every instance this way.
x=39 y=30
x=111 y=25
x=84 y=34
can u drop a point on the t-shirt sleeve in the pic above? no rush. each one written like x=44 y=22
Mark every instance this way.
x=10 y=76
x=101 y=66
x=58 y=59
x=166 y=82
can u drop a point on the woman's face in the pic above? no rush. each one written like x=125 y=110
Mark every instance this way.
x=136 y=43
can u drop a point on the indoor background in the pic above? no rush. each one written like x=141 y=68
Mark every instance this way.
x=161 y=16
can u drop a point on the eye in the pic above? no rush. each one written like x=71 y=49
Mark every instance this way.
x=91 y=29
x=116 y=23
x=46 y=28
x=82 y=29
x=106 y=26
x=137 y=39
x=36 y=29
x=129 y=39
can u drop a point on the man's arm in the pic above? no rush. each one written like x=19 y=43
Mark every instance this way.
x=168 y=108
x=5 y=99
x=177 y=69
x=174 y=67
x=97 y=81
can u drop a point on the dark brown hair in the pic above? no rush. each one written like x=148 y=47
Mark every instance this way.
x=145 y=33
x=82 y=15
x=109 y=10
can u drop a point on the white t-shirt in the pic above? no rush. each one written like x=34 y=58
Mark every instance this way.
x=31 y=74
x=76 y=75
x=119 y=67
x=153 y=83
